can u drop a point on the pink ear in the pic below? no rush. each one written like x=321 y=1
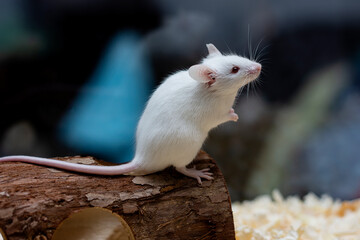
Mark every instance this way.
x=202 y=73
x=213 y=51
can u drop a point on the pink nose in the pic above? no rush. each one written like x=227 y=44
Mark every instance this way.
x=256 y=68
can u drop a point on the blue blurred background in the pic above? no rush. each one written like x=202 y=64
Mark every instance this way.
x=75 y=75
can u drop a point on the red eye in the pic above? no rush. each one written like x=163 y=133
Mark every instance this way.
x=235 y=69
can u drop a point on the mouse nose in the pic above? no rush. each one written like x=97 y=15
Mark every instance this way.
x=256 y=68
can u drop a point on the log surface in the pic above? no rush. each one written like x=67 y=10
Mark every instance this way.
x=34 y=200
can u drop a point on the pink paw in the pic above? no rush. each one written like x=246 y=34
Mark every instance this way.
x=197 y=174
x=233 y=116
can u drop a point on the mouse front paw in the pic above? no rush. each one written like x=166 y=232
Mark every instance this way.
x=233 y=116
x=194 y=173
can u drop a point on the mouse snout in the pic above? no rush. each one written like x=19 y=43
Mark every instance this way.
x=255 y=68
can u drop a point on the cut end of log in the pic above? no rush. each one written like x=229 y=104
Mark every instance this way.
x=2 y=235
x=92 y=224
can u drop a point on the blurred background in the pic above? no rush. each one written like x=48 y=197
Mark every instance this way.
x=75 y=75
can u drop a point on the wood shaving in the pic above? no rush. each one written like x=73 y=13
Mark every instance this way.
x=314 y=218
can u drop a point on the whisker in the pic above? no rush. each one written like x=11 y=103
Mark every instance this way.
x=264 y=59
x=249 y=44
x=227 y=45
x=247 y=90
x=264 y=73
x=258 y=82
x=261 y=61
x=257 y=48
x=254 y=88
x=238 y=96
x=261 y=57
x=261 y=52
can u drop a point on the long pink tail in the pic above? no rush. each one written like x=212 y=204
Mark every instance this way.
x=82 y=168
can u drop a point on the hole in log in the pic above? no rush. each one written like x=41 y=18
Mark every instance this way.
x=2 y=235
x=94 y=224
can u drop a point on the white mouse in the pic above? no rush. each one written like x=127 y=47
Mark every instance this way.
x=177 y=118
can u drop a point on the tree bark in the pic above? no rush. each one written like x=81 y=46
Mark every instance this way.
x=34 y=200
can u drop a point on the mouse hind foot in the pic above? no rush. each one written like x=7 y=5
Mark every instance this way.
x=194 y=173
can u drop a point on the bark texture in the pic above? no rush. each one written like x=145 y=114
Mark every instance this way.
x=34 y=200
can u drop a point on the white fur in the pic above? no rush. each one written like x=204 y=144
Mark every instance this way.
x=179 y=115
x=181 y=112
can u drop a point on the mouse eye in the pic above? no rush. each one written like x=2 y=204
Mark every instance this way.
x=235 y=69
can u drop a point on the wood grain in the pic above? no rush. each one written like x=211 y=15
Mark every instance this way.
x=34 y=200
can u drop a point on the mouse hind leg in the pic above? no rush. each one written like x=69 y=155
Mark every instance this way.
x=194 y=173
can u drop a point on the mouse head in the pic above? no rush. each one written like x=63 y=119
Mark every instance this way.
x=224 y=72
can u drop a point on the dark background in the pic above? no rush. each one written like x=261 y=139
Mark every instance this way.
x=298 y=128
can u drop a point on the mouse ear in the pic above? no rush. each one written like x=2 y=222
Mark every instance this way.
x=213 y=51
x=202 y=73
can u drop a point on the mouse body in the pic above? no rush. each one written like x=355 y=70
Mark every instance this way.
x=178 y=117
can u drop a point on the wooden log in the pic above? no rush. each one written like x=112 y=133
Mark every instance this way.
x=34 y=200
